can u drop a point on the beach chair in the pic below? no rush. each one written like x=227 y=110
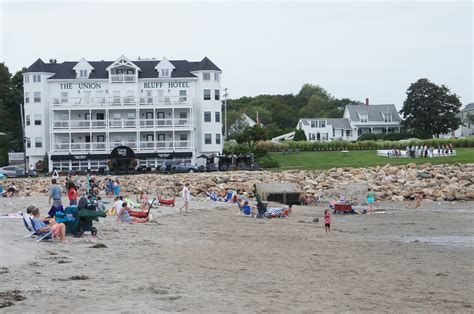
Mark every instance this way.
x=229 y=196
x=33 y=232
x=246 y=210
x=29 y=225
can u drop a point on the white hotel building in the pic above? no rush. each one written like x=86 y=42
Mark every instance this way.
x=78 y=112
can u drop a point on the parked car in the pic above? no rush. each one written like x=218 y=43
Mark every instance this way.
x=184 y=168
x=32 y=173
x=166 y=165
x=12 y=171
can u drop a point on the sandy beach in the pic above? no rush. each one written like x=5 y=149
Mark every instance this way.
x=211 y=260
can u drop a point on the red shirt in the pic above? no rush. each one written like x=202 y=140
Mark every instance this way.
x=72 y=194
x=327 y=218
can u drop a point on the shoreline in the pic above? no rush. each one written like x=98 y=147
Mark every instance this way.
x=211 y=260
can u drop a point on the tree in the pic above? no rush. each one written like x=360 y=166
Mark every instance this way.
x=430 y=109
x=251 y=135
x=11 y=98
x=299 y=135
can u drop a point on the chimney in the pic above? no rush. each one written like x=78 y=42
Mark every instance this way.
x=367 y=101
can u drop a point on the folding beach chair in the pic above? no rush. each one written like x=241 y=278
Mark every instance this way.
x=29 y=225
x=33 y=232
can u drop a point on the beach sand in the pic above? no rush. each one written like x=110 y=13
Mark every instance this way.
x=212 y=260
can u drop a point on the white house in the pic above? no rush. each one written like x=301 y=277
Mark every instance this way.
x=357 y=120
x=372 y=119
x=79 y=111
x=467 y=127
x=325 y=129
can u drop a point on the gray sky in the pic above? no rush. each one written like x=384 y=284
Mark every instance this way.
x=353 y=49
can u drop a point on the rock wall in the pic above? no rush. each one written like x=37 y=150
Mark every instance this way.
x=435 y=182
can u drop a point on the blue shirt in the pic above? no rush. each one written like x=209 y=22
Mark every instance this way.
x=38 y=224
x=55 y=192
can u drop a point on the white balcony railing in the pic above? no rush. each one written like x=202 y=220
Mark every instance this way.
x=161 y=101
x=123 y=78
x=121 y=123
x=102 y=146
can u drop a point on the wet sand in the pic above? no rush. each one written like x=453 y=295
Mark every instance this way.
x=211 y=260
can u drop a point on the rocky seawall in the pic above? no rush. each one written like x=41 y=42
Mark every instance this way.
x=396 y=183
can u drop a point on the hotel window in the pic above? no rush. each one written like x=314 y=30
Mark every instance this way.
x=207 y=94
x=83 y=73
x=218 y=139
x=131 y=115
x=183 y=115
x=217 y=77
x=217 y=95
x=63 y=97
x=218 y=116
x=37 y=97
x=36 y=78
x=27 y=98
x=37 y=119
x=313 y=124
x=183 y=95
x=207 y=116
x=322 y=124
x=38 y=142
x=28 y=142
x=206 y=76
x=165 y=73
x=28 y=122
x=333 y=132
x=183 y=137
x=207 y=138
x=27 y=78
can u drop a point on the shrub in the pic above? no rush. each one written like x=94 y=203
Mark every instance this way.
x=268 y=162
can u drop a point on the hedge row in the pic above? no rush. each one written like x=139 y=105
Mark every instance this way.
x=360 y=145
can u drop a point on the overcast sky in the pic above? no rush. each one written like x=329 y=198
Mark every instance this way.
x=353 y=49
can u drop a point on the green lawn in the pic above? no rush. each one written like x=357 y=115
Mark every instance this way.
x=360 y=158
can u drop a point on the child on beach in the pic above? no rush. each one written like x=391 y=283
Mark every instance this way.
x=327 y=221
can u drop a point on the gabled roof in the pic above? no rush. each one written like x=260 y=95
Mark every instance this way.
x=374 y=112
x=64 y=70
x=123 y=61
x=468 y=107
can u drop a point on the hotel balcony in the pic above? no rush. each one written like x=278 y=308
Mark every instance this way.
x=122 y=124
x=123 y=78
x=59 y=102
x=139 y=146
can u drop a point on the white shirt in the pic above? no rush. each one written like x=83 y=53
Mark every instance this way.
x=185 y=194
x=117 y=206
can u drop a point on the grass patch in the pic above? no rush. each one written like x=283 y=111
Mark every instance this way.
x=360 y=158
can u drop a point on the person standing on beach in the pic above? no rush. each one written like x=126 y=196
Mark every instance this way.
x=54 y=194
x=72 y=194
x=186 y=196
x=370 y=201
x=117 y=188
x=327 y=221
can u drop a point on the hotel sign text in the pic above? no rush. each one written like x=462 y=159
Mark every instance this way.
x=166 y=85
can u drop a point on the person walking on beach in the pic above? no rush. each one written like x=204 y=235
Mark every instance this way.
x=72 y=194
x=186 y=196
x=54 y=194
x=327 y=221
x=370 y=201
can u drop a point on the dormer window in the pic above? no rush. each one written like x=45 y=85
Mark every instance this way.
x=364 y=118
x=165 y=73
x=388 y=117
x=83 y=74
x=206 y=76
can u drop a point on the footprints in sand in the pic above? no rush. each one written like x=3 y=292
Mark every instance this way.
x=72 y=278
x=3 y=270
x=8 y=298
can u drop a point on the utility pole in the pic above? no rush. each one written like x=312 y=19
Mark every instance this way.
x=225 y=112
x=23 y=134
